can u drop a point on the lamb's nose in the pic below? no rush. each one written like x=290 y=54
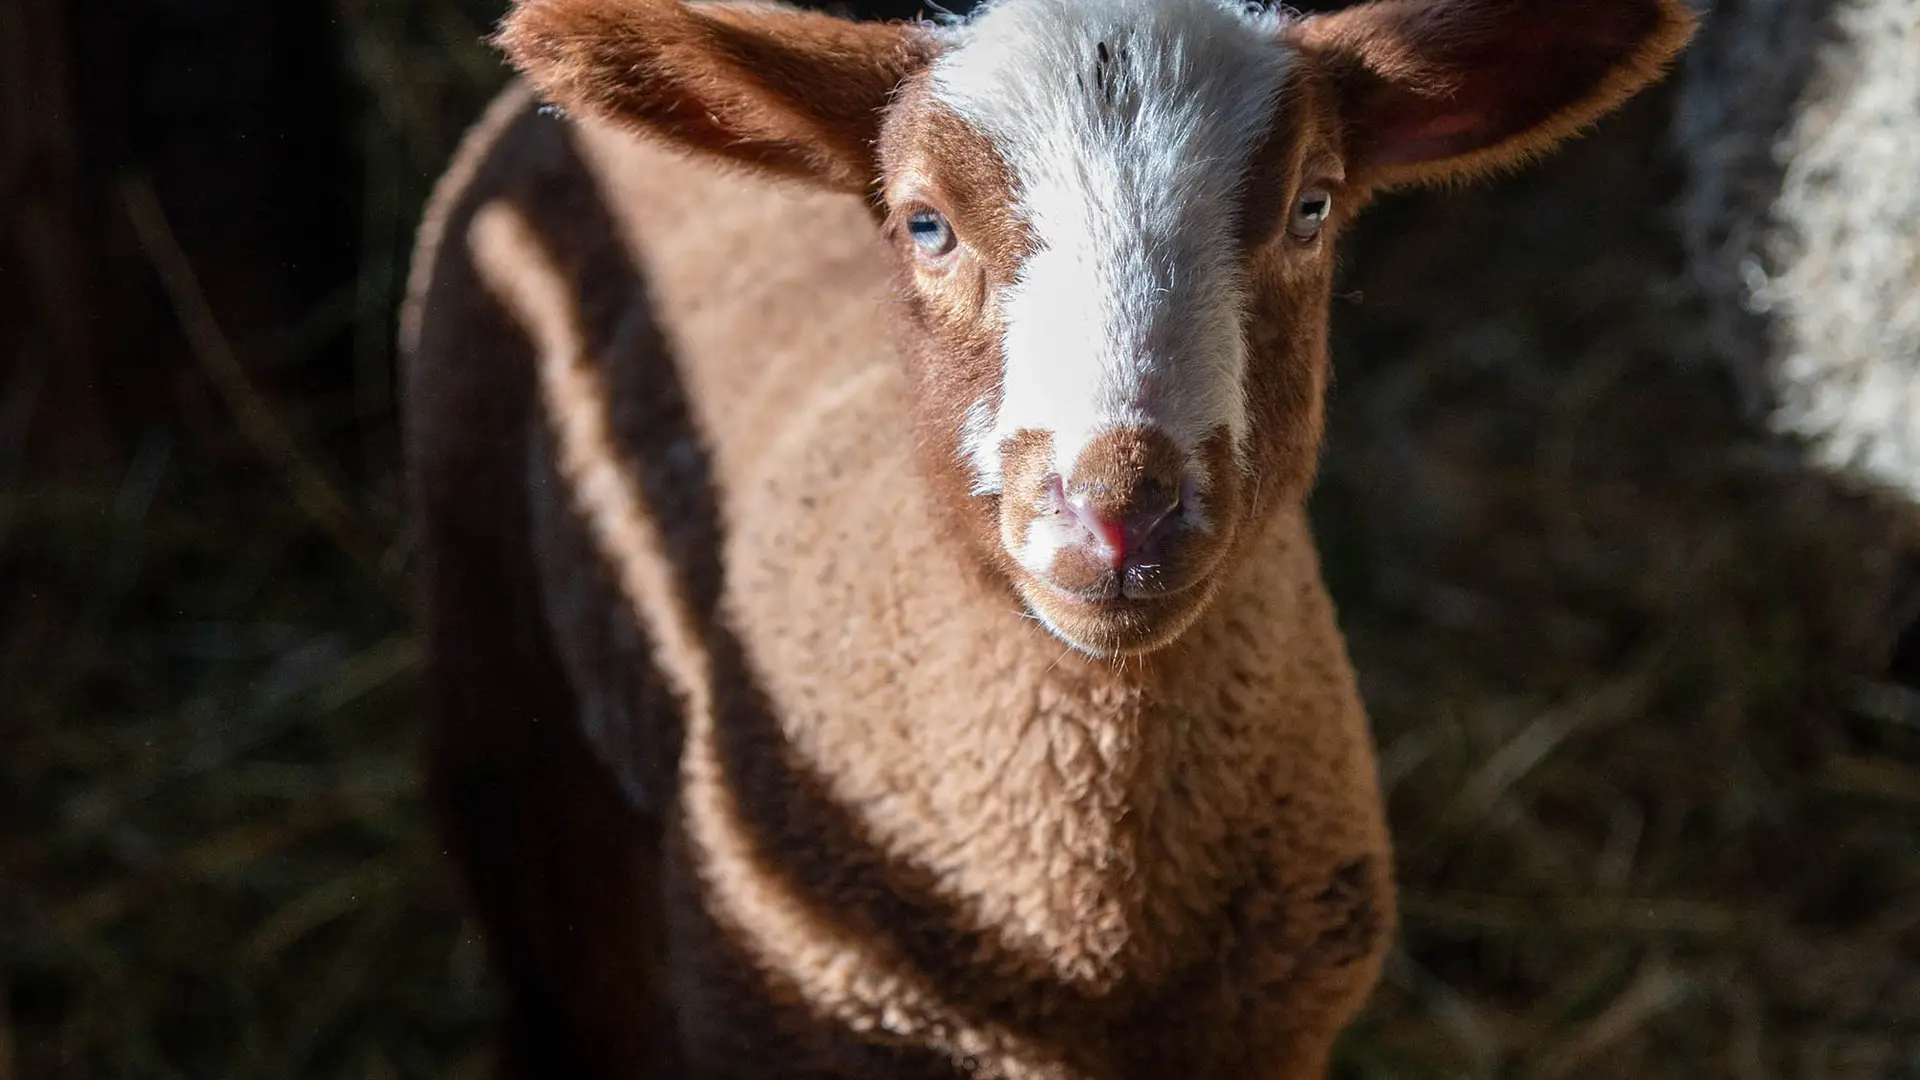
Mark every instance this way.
x=1125 y=493
x=1124 y=531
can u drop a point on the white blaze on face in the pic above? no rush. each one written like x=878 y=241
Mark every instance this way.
x=1128 y=126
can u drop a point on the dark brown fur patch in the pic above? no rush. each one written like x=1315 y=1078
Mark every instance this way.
x=1353 y=923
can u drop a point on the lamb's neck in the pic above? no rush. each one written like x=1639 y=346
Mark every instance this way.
x=1086 y=810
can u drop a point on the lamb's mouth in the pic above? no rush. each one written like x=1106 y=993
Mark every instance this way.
x=1120 y=593
x=1113 y=623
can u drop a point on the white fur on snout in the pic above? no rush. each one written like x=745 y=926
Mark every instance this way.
x=1128 y=126
x=1047 y=536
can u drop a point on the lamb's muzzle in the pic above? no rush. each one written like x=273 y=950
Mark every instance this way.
x=1120 y=547
x=1126 y=490
x=1126 y=520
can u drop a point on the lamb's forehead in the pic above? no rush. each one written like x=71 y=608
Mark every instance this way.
x=1178 y=78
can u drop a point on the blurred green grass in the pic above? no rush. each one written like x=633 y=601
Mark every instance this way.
x=1655 y=807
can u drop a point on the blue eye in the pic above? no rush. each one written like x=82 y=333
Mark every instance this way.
x=1310 y=213
x=931 y=233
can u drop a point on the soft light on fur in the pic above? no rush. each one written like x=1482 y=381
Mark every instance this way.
x=856 y=657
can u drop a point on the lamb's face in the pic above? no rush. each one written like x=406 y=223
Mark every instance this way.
x=1113 y=226
x=1113 y=220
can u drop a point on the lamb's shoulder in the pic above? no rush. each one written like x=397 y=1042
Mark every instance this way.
x=769 y=292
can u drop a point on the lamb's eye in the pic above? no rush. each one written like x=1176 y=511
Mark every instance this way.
x=1310 y=213
x=931 y=233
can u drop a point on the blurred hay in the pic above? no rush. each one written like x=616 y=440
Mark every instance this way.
x=1655 y=809
x=1654 y=814
x=216 y=861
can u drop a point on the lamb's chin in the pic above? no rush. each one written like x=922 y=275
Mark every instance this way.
x=1113 y=628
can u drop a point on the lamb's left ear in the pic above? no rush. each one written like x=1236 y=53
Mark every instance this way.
x=784 y=90
x=1440 y=89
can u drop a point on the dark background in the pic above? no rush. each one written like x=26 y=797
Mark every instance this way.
x=1654 y=788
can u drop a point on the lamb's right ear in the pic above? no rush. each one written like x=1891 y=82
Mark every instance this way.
x=1443 y=89
x=796 y=92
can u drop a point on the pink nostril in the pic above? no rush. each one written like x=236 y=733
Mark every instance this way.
x=1109 y=532
x=1120 y=537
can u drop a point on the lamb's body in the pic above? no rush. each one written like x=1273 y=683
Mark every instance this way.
x=877 y=634
x=918 y=814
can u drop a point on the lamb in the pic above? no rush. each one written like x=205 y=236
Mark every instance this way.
x=873 y=626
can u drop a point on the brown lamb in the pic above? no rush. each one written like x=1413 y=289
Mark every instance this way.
x=873 y=622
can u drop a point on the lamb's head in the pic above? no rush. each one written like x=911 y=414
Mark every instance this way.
x=1113 y=222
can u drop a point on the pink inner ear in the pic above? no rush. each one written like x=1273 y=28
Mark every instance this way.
x=1444 y=129
x=1405 y=128
x=1502 y=86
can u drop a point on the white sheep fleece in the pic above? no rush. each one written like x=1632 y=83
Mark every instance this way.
x=1128 y=126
